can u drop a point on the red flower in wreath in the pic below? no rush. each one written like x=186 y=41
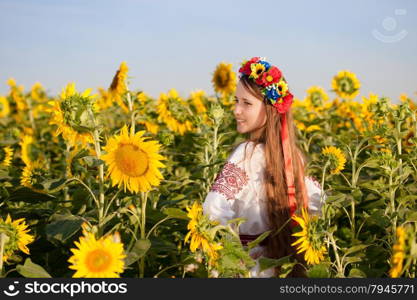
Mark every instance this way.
x=284 y=105
x=272 y=76
x=245 y=69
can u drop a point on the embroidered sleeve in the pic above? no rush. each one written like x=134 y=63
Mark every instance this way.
x=314 y=194
x=231 y=182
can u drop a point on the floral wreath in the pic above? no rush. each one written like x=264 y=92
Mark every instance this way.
x=270 y=79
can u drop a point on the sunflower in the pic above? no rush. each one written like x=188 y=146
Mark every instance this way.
x=405 y=99
x=150 y=126
x=37 y=92
x=282 y=87
x=312 y=128
x=63 y=113
x=6 y=156
x=317 y=96
x=224 y=79
x=4 y=107
x=300 y=125
x=309 y=239
x=346 y=85
x=197 y=100
x=133 y=162
x=32 y=176
x=16 y=93
x=173 y=112
x=408 y=141
x=142 y=97
x=102 y=258
x=27 y=145
x=199 y=238
x=257 y=70
x=104 y=101
x=398 y=254
x=336 y=157
x=118 y=87
x=367 y=114
x=18 y=236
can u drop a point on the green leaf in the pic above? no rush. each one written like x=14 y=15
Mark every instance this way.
x=409 y=199
x=27 y=195
x=286 y=269
x=355 y=249
x=54 y=185
x=412 y=216
x=352 y=260
x=379 y=219
x=139 y=249
x=32 y=270
x=64 y=228
x=336 y=198
x=81 y=154
x=175 y=213
x=356 y=273
x=259 y=239
x=318 y=271
x=93 y=161
x=266 y=262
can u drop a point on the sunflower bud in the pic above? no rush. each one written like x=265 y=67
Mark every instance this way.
x=217 y=112
x=166 y=138
x=75 y=112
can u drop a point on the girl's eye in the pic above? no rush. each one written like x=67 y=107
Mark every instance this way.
x=247 y=103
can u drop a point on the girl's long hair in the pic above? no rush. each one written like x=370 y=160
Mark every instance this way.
x=280 y=240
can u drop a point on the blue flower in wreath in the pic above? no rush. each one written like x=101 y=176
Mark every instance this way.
x=272 y=94
x=265 y=63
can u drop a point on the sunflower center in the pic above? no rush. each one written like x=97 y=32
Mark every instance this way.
x=346 y=85
x=316 y=98
x=98 y=260
x=223 y=79
x=131 y=160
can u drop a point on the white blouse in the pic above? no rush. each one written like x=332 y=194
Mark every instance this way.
x=238 y=192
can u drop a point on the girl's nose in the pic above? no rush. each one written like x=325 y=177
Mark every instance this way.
x=237 y=110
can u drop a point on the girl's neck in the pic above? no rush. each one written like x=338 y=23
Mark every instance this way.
x=256 y=134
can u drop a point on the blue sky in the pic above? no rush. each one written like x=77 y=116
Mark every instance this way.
x=177 y=44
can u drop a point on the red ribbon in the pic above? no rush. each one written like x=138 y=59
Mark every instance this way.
x=289 y=171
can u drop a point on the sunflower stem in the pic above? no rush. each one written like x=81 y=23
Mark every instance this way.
x=336 y=254
x=322 y=182
x=144 y=198
x=101 y=204
x=132 y=113
x=86 y=186
x=67 y=170
x=30 y=112
x=156 y=225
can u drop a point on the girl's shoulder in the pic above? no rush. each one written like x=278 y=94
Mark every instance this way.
x=247 y=151
x=248 y=146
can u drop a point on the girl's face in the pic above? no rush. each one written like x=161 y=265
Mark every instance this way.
x=249 y=111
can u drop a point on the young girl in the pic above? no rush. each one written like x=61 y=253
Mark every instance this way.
x=263 y=179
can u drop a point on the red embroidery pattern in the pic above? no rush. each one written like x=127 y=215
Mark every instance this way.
x=230 y=181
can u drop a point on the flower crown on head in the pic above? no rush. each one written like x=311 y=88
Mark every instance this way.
x=270 y=79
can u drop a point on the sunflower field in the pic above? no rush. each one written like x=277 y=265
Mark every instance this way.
x=110 y=183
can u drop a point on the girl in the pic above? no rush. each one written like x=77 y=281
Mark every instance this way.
x=263 y=179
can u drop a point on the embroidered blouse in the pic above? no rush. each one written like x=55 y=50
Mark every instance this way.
x=238 y=192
